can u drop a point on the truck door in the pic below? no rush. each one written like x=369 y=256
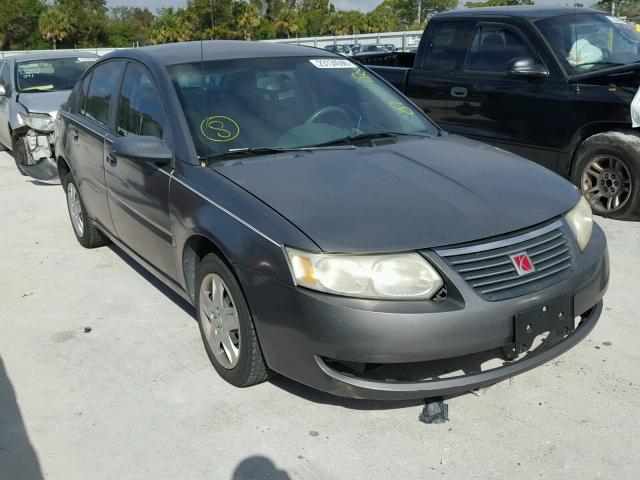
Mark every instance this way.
x=432 y=77
x=522 y=114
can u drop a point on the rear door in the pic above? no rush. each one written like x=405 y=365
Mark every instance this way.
x=524 y=115
x=433 y=75
x=5 y=79
x=139 y=191
x=87 y=129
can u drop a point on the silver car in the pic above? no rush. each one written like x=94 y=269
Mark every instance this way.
x=32 y=88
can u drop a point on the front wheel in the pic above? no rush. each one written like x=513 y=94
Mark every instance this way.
x=607 y=170
x=21 y=154
x=226 y=326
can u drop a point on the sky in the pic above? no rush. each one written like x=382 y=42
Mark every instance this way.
x=364 y=5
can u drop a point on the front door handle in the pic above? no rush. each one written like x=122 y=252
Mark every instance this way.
x=458 y=92
x=111 y=158
x=76 y=134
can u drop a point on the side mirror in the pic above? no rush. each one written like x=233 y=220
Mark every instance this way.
x=142 y=149
x=527 y=67
x=3 y=91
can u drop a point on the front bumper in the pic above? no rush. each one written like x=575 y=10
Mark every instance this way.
x=304 y=334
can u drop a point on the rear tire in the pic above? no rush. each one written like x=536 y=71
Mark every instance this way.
x=85 y=231
x=607 y=170
x=226 y=325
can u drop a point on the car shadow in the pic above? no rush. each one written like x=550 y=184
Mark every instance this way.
x=18 y=458
x=317 y=396
x=258 y=467
x=153 y=280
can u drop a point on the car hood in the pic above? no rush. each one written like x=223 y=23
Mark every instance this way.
x=44 y=102
x=417 y=193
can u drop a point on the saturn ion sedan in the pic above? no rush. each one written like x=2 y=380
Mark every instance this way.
x=322 y=226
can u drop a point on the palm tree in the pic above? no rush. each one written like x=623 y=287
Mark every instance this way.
x=54 y=25
x=249 y=21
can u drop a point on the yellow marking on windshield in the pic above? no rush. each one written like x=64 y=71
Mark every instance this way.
x=219 y=128
x=401 y=108
x=361 y=76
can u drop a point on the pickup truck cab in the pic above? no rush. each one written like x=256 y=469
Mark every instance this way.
x=554 y=85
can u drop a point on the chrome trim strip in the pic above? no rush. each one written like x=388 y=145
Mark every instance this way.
x=450 y=252
x=231 y=214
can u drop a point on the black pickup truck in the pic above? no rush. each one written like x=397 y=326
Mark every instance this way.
x=555 y=85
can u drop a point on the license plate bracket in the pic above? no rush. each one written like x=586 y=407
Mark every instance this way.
x=555 y=316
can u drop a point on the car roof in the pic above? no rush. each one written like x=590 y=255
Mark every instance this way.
x=186 y=52
x=530 y=12
x=47 y=54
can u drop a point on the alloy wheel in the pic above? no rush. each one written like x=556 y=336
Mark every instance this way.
x=75 y=209
x=606 y=183
x=220 y=321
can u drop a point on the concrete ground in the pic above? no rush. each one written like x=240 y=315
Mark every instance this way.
x=136 y=398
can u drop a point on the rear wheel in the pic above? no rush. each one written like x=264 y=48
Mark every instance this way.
x=86 y=233
x=607 y=170
x=226 y=326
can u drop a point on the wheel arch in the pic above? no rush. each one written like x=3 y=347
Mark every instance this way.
x=584 y=134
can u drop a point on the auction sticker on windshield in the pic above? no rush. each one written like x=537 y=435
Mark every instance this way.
x=332 y=63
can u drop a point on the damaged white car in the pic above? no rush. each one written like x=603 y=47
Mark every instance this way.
x=32 y=88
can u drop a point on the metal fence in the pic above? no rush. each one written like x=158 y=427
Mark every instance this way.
x=401 y=40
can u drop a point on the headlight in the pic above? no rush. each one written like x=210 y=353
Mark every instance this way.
x=395 y=276
x=580 y=219
x=38 y=121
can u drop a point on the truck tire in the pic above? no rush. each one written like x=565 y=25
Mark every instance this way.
x=226 y=325
x=607 y=171
x=85 y=231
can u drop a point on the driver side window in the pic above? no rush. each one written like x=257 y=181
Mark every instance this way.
x=140 y=110
x=494 y=47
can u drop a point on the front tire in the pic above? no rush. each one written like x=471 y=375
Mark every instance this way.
x=226 y=326
x=607 y=170
x=21 y=154
x=86 y=233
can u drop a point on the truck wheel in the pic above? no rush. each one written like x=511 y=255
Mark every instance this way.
x=86 y=233
x=21 y=154
x=607 y=170
x=226 y=326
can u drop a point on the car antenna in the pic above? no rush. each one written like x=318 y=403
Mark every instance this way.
x=203 y=162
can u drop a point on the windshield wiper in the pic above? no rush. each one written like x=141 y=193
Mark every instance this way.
x=261 y=151
x=369 y=136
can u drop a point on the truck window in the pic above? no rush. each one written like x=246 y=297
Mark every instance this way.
x=494 y=47
x=443 y=46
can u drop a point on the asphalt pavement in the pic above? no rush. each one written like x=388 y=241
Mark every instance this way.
x=103 y=376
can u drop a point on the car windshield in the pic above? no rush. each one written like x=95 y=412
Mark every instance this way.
x=587 y=42
x=289 y=102
x=52 y=74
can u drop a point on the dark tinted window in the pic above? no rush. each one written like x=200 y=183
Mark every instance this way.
x=443 y=46
x=81 y=96
x=494 y=47
x=139 y=109
x=104 y=82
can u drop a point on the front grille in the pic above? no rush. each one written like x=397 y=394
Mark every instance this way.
x=488 y=269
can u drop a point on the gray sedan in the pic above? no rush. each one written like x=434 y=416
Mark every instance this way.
x=32 y=87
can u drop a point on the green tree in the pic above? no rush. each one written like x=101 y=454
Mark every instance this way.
x=623 y=8
x=173 y=26
x=129 y=26
x=54 y=25
x=88 y=22
x=19 y=24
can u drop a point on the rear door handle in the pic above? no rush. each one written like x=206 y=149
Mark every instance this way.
x=458 y=92
x=76 y=134
x=111 y=158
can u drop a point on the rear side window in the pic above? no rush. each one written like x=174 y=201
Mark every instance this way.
x=139 y=108
x=102 y=88
x=444 y=45
x=5 y=78
x=494 y=47
x=81 y=95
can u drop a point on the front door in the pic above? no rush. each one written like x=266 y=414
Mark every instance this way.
x=139 y=191
x=524 y=115
x=5 y=101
